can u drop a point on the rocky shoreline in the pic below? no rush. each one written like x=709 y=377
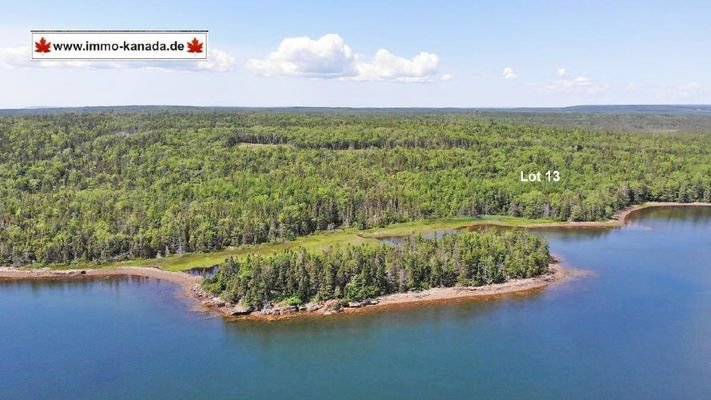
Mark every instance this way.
x=283 y=311
x=274 y=311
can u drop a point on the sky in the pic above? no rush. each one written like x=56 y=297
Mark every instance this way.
x=375 y=54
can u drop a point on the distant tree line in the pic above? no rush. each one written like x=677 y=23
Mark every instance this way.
x=108 y=186
x=361 y=272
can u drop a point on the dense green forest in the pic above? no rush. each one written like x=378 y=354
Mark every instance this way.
x=362 y=272
x=117 y=185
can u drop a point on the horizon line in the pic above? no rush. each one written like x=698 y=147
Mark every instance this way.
x=255 y=107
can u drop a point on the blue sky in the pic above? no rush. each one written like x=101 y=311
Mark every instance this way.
x=375 y=53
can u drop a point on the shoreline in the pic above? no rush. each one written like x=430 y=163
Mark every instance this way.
x=623 y=215
x=618 y=219
x=440 y=295
x=556 y=274
x=190 y=284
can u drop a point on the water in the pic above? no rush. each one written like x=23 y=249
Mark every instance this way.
x=205 y=272
x=640 y=327
x=436 y=235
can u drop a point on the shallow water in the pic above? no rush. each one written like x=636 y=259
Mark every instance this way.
x=640 y=327
x=436 y=235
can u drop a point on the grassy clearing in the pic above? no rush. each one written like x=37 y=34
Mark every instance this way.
x=311 y=242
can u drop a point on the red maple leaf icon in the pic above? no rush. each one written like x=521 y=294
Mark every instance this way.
x=195 y=46
x=42 y=46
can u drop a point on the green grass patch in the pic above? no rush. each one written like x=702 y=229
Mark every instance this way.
x=424 y=226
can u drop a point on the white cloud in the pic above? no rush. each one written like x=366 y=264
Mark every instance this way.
x=14 y=56
x=389 y=67
x=633 y=87
x=687 y=90
x=509 y=73
x=329 y=57
x=21 y=57
x=217 y=61
x=574 y=85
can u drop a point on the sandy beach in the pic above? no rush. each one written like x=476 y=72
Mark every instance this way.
x=521 y=286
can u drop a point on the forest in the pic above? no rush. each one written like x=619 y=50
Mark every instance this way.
x=356 y=273
x=117 y=185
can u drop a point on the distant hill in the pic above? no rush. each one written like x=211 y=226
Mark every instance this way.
x=642 y=109
x=691 y=109
x=613 y=118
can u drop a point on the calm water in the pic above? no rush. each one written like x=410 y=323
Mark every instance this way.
x=639 y=328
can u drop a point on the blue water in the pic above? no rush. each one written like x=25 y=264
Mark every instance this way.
x=639 y=327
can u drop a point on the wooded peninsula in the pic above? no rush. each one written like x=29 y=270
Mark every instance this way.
x=357 y=273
